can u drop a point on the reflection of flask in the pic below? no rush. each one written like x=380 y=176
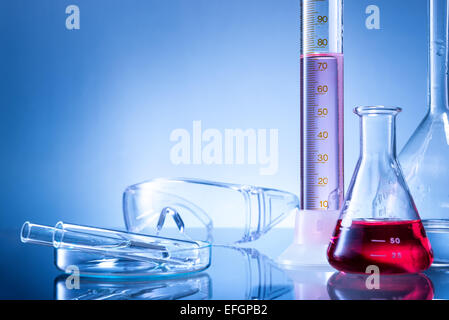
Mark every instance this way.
x=343 y=286
x=424 y=158
x=379 y=224
x=440 y=279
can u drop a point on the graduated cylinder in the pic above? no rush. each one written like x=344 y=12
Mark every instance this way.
x=322 y=104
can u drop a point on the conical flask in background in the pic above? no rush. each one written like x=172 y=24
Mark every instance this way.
x=379 y=228
x=425 y=157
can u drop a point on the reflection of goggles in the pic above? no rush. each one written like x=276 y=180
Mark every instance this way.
x=197 y=208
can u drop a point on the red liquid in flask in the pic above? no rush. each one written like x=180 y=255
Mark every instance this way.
x=396 y=247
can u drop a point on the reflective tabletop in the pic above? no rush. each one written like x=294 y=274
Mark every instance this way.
x=236 y=273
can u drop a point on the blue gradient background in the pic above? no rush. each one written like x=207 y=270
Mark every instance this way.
x=86 y=113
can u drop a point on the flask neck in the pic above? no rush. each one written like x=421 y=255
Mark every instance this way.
x=378 y=136
x=438 y=56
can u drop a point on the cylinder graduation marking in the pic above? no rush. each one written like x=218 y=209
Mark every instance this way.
x=321 y=106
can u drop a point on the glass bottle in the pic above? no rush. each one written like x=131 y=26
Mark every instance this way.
x=424 y=158
x=379 y=228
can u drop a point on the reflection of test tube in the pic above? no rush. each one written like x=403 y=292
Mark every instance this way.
x=195 y=287
x=321 y=104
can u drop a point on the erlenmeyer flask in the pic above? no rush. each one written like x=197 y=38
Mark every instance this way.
x=379 y=229
x=424 y=158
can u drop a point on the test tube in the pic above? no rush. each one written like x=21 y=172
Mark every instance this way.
x=118 y=244
x=322 y=104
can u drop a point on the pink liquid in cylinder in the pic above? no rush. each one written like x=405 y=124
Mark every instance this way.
x=322 y=131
